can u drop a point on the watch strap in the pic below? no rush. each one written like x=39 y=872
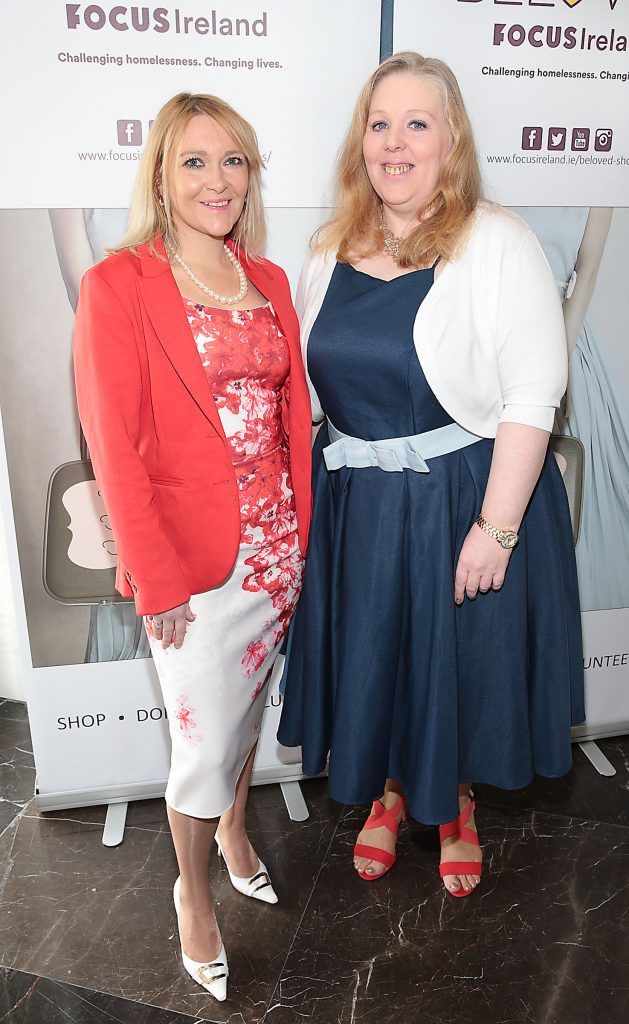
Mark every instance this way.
x=493 y=531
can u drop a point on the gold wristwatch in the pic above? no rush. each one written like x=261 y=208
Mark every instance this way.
x=506 y=538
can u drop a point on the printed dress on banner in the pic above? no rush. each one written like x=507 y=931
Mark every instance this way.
x=597 y=415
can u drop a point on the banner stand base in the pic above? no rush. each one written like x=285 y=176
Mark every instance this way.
x=115 y=820
x=117 y=798
x=596 y=757
x=113 y=832
x=294 y=800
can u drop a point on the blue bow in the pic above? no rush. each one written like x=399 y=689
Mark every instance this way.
x=392 y=456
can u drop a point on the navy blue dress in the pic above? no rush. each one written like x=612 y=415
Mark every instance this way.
x=385 y=673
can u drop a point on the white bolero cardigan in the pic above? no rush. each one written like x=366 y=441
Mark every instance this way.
x=490 y=333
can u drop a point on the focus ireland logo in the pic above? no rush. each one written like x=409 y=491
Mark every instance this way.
x=162 y=19
x=533 y=3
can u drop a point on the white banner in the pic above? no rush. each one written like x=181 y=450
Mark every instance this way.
x=586 y=246
x=546 y=83
x=97 y=74
x=606 y=664
x=92 y=76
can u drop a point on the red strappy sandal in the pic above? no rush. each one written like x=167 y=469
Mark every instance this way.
x=459 y=828
x=381 y=816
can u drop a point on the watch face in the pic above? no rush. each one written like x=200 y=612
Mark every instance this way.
x=509 y=539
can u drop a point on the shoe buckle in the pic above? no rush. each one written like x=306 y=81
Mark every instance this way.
x=208 y=972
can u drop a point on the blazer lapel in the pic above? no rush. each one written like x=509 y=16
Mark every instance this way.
x=164 y=308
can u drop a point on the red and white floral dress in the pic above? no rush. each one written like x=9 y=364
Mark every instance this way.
x=214 y=687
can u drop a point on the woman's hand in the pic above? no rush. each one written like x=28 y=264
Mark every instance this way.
x=482 y=565
x=170 y=627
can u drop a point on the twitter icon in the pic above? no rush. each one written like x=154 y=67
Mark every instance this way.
x=557 y=138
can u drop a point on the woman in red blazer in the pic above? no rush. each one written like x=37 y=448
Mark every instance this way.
x=193 y=400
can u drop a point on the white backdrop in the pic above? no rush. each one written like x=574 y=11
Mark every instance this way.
x=295 y=82
x=547 y=87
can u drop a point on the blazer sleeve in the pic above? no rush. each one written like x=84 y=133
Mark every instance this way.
x=109 y=392
x=531 y=338
x=307 y=304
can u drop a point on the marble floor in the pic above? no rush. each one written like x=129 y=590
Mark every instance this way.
x=89 y=935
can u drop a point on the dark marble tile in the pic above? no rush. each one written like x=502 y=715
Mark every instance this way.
x=13 y=709
x=545 y=939
x=583 y=793
x=8 y=813
x=103 y=918
x=27 y=999
x=17 y=769
x=15 y=742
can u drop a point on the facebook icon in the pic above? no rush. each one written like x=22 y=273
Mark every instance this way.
x=129 y=132
x=532 y=138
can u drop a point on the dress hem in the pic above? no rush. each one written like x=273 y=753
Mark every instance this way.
x=473 y=780
x=210 y=817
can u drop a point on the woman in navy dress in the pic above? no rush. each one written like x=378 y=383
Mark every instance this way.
x=437 y=640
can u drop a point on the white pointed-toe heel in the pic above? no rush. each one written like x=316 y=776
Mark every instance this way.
x=211 y=976
x=258 y=887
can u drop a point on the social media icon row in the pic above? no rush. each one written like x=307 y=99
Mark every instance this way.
x=130 y=132
x=557 y=137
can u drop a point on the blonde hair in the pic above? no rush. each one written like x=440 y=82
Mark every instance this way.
x=355 y=226
x=150 y=213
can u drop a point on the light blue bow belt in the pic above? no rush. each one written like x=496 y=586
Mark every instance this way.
x=395 y=453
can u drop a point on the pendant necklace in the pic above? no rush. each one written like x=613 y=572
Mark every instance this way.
x=392 y=243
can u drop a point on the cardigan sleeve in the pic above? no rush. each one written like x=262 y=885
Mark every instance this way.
x=531 y=338
x=306 y=299
x=109 y=390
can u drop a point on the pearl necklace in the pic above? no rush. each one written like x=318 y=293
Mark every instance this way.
x=225 y=300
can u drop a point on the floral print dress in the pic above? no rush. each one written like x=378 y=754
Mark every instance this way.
x=214 y=687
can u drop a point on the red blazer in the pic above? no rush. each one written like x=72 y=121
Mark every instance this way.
x=154 y=433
